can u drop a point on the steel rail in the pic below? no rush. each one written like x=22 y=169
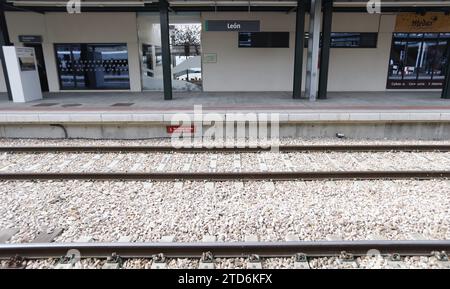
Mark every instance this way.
x=223 y=249
x=228 y=176
x=282 y=148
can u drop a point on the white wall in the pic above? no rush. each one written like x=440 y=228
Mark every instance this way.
x=361 y=69
x=248 y=69
x=78 y=28
x=271 y=69
x=237 y=69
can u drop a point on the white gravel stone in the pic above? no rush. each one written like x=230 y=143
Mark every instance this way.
x=225 y=162
x=167 y=141
x=106 y=210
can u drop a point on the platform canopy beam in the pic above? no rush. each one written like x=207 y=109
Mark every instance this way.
x=299 y=46
x=4 y=41
x=165 y=49
x=325 y=51
x=446 y=88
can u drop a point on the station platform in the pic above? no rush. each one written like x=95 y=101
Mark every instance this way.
x=99 y=114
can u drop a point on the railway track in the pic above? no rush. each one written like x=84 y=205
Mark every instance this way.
x=282 y=148
x=224 y=249
x=150 y=162
x=427 y=162
x=207 y=253
x=231 y=176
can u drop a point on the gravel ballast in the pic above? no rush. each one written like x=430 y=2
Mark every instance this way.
x=146 y=211
x=224 y=162
x=168 y=142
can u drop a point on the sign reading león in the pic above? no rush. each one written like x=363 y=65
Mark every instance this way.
x=429 y=22
x=232 y=25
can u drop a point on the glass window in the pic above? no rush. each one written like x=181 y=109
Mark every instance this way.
x=93 y=66
x=65 y=62
x=417 y=60
x=185 y=49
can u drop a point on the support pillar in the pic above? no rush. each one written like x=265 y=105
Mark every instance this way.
x=446 y=88
x=165 y=49
x=4 y=41
x=299 y=47
x=325 y=51
x=312 y=76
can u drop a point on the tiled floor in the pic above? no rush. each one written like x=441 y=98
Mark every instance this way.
x=229 y=101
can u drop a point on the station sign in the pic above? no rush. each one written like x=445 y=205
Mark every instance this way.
x=429 y=22
x=30 y=38
x=232 y=25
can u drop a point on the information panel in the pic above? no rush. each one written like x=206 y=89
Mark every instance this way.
x=264 y=39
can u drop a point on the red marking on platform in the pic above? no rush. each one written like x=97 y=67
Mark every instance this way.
x=180 y=129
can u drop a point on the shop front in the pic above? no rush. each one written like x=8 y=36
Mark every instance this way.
x=419 y=51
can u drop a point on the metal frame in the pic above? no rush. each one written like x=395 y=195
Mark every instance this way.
x=4 y=41
x=165 y=49
x=325 y=51
x=283 y=148
x=299 y=47
x=446 y=88
x=223 y=249
x=230 y=176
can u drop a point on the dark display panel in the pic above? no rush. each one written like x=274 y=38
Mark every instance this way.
x=418 y=60
x=354 y=40
x=92 y=66
x=264 y=39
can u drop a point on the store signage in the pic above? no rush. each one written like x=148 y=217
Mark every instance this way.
x=232 y=25
x=415 y=84
x=30 y=38
x=428 y=22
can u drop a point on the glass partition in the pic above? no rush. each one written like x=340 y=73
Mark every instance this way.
x=92 y=66
x=185 y=49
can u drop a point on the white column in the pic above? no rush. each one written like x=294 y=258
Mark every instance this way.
x=312 y=65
